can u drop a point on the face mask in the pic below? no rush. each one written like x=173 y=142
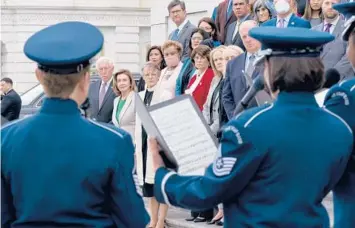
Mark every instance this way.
x=282 y=7
x=172 y=61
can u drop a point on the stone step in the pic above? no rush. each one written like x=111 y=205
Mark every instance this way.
x=176 y=219
x=176 y=216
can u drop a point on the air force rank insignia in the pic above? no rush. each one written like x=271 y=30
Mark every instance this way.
x=223 y=166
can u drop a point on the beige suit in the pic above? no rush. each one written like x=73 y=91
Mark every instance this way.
x=214 y=124
x=127 y=117
x=165 y=88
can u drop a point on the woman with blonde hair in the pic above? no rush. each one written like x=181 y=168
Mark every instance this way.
x=211 y=107
x=124 y=111
x=213 y=110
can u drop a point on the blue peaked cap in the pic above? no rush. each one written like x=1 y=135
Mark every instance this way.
x=348 y=10
x=290 y=42
x=64 y=48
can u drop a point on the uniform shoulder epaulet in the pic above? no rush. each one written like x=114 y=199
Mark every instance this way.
x=109 y=128
x=14 y=123
x=344 y=90
x=246 y=117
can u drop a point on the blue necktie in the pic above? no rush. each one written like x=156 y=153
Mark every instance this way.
x=229 y=9
x=175 y=36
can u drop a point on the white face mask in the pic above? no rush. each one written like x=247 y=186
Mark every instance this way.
x=282 y=7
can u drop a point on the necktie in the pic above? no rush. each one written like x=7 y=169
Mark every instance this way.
x=236 y=30
x=102 y=93
x=282 y=23
x=175 y=36
x=250 y=70
x=327 y=27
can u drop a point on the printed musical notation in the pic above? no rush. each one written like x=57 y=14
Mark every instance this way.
x=186 y=135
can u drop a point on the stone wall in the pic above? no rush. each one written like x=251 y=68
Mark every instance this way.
x=126 y=31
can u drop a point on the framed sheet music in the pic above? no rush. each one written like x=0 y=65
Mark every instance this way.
x=182 y=132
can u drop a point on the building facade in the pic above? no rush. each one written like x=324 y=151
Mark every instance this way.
x=129 y=27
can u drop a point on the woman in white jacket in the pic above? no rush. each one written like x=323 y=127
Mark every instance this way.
x=150 y=96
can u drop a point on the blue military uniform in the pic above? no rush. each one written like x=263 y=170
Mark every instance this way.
x=340 y=99
x=58 y=168
x=275 y=163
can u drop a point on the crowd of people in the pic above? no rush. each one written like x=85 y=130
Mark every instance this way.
x=212 y=61
x=215 y=62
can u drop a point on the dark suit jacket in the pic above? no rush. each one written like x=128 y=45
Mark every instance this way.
x=103 y=114
x=184 y=38
x=334 y=53
x=222 y=22
x=237 y=39
x=294 y=22
x=235 y=85
x=11 y=105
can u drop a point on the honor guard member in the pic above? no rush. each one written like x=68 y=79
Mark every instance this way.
x=59 y=169
x=340 y=99
x=276 y=162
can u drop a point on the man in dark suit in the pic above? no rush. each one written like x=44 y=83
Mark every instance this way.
x=11 y=101
x=224 y=17
x=101 y=95
x=285 y=18
x=239 y=70
x=334 y=53
x=183 y=32
x=241 y=10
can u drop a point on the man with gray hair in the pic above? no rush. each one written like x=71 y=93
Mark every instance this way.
x=182 y=34
x=101 y=95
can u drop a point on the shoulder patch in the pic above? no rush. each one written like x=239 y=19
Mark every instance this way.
x=235 y=132
x=343 y=95
x=223 y=166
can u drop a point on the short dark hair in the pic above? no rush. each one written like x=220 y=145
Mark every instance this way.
x=213 y=25
x=202 y=32
x=352 y=36
x=7 y=80
x=155 y=47
x=291 y=74
x=201 y=50
x=174 y=3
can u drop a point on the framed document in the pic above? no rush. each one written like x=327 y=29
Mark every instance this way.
x=182 y=132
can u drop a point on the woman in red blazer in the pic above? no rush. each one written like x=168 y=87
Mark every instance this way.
x=200 y=82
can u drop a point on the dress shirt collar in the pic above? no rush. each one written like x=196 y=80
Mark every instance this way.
x=242 y=19
x=286 y=19
x=152 y=89
x=200 y=75
x=180 y=27
x=333 y=23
